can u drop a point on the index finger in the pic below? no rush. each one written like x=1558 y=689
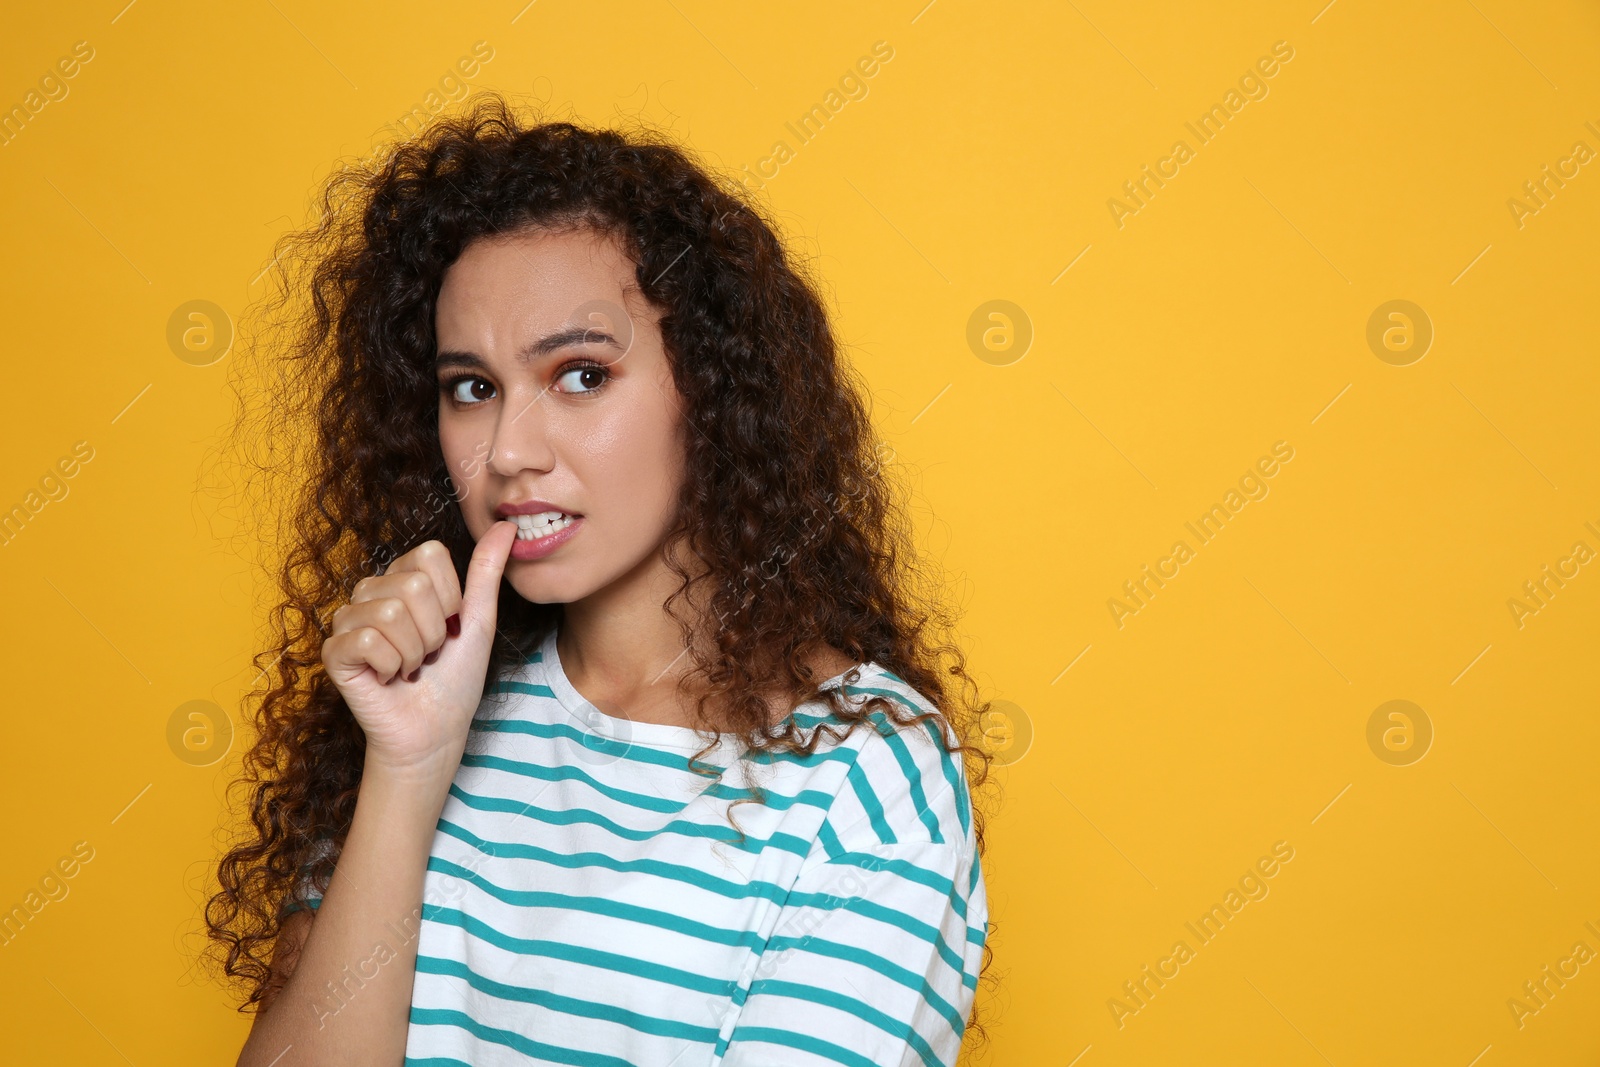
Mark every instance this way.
x=433 y=559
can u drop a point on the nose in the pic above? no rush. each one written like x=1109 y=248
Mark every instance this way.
x=521 y=438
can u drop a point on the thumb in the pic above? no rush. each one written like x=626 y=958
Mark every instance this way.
x=481 y=599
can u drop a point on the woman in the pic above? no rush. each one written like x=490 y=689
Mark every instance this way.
x=608 y=723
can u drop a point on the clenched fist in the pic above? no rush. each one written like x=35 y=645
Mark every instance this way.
x=410 y=653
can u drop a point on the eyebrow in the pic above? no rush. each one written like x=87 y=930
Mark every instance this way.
x=568 y=336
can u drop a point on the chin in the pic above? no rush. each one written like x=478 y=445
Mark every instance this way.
x=542 y=589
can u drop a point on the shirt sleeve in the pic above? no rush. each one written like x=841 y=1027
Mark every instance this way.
x=875 y=955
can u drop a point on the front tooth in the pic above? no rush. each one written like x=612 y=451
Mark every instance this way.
x=541 y=525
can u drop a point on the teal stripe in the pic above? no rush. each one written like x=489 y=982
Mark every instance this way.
x=436 y=1061
x=869 y=801
x=662 y=920
x=683 y=827
x=510 y=1039
x=644 y=753
x=948 y=762
x=904 y=868
x=820 y=946
x=572 y=773
x=607 y=746
x=908 y=764
x=556 y=1002
x=960 y=1026
x=871 y=910
x=811 y=798
x=675 y=872
x=589 y=957
x=512 y=685
x=615 y=909
x=804 y=1042
x=897 y=1028
x=800 y=759
x=731 y=888
x=830 y=840
x=913 y=773
x=841 y=754
x=815 y=798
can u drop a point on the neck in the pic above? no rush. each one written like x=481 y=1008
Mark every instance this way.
x=623 y=652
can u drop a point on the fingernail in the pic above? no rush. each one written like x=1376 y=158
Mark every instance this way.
x=452 y=625
x=431 y=656
x=414 y=675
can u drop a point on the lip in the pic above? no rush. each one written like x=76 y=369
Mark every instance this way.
x=540 y=547
x=531 y=507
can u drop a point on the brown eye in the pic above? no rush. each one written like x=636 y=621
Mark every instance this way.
x=584 y=379
x=476 y=390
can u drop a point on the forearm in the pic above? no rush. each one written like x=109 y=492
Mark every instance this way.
x=348 y=999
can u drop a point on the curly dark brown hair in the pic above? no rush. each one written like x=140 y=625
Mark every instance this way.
x=802 y=534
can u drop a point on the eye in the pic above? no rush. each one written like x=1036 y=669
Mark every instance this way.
x=469 y=396
x=582 y=378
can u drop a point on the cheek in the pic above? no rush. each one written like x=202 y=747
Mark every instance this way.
x=633 y=462
x=462 y=451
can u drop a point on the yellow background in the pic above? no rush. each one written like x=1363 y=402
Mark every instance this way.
x=1229 y=313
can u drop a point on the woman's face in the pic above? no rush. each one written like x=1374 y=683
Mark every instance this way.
x=555 y=387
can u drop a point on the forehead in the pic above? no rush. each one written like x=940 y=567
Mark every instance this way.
x=532 y=279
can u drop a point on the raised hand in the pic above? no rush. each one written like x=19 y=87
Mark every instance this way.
x=410 y=653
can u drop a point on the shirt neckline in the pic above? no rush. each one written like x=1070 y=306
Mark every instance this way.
x=629 y=731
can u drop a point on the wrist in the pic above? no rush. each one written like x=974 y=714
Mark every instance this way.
x=416 y=780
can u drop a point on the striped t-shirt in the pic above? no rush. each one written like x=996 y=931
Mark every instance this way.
x=587 y=902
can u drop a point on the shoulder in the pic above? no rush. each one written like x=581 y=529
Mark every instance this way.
x=904 y=785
